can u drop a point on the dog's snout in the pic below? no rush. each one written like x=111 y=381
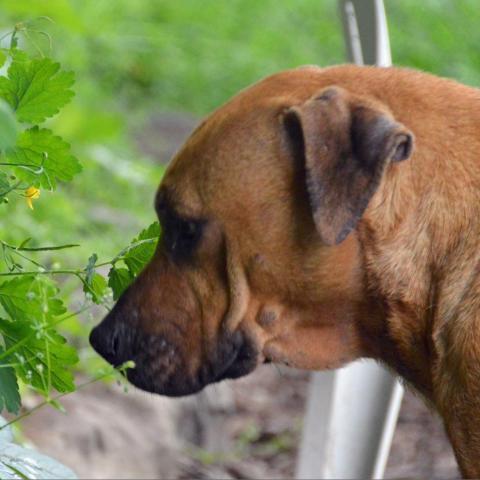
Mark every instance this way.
x=113 y=341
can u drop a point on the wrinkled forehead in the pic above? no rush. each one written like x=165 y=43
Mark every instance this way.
x=241 y=136
x=222 y=147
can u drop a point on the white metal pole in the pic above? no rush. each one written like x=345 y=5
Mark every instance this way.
x=352 y=413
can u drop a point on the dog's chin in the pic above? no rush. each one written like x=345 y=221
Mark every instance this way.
x=235 y=358
x=174 y=387
x=244 y=362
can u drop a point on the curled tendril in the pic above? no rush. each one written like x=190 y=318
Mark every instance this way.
x=26 y=29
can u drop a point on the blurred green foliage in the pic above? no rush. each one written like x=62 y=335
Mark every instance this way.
x=192 y=55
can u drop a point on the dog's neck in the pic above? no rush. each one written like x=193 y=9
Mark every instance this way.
x=419 y=244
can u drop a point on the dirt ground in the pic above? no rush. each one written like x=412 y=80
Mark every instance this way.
x=249 y=428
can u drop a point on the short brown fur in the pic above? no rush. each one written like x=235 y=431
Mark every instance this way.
x=403 y=287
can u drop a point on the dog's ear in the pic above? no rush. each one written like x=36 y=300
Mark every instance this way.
x=345 y=145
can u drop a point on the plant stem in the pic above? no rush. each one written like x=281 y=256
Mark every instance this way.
x=15 y=347
x=17 y=252
x=7 y=164
x=39 y=249
x=13 y=187
x=123 y=252
x=46 y=272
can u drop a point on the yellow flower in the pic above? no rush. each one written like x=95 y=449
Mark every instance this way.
x=31 y=193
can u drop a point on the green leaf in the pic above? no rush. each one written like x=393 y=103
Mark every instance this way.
x=30 y=298
x=42 y=357
x=90 y=268
x=118 y=280
x=5 y=187
x=8 y=126
x=96 y=285
x=45 y=158
x=9 y=395
x=36 y=89
x=3 y=59
x=141 y=254
x=4 y=184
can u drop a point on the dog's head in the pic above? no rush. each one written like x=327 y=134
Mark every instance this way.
x=258 y=258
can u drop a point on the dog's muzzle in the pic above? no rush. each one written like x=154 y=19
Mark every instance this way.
x=161 y=362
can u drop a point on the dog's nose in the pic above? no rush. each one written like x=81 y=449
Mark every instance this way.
x=113 y=341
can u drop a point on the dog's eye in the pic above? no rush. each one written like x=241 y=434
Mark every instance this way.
x=189 y=233
x=181 y=237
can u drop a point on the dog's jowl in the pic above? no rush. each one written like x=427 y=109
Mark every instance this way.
x=320 y=216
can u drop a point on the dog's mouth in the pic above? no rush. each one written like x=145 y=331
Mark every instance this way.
x=167 y=373
x=242 y=362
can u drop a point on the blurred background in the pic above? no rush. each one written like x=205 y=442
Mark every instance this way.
x=146 y=72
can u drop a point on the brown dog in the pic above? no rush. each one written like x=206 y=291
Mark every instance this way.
x=320 y=216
